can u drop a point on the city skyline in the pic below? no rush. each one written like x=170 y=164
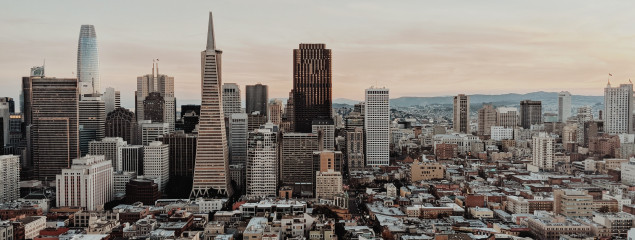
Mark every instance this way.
x=551 y=51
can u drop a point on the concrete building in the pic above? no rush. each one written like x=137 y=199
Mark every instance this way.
x=164 y=86
x=275 y=111
x=112 y=99
x=296 y=163
x=52 y=109
x=328 y=184
x=618 y=224
x=355 y=149
x=92 y=119
x=501 y=133
x=238 y=124
x=255 y=120
x=156 y=162
x=542 y=151
x=551 y=227
x=132 y=159
x=530 y=113
x=426 y=170
x=628 y=172
x=461 y=114
x=231 y=99
x=110 y=147
x=122 y=123
x=262 y=163
x=120 y=180
x=150 y=131
x=572 y=203
x=256 y=98
x=486 y=120
x=517 y=205
x=153 y=107
x=88 y=183
x=327 y=159
x=377 y=126
x=618 y=109
x=327 y=129
x=564 y=106
x=507 y=117
x=10 y=178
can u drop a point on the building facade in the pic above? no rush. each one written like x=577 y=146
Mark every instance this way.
x=238 y=138
x=156 y=163
x=122 y=123
x=618 y=109
x=564 y=106
x=530 y=113
x=262 y=163
x=377 y=126
x=461 y=114
x=231 y=99
x=296 y=161
x=10 y=178
x=88 y=183
x=312 y=85
x=256 y=98
x=88 y=61
x=109 y=147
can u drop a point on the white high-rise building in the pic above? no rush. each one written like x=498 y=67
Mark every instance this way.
x=377 y=126
x=88 y=183
x=564 y=106
x=262 y=163
x=10 y=178
x=231 y=99
x=238 y=138
x=542 y=151
x=618 y=109
x=327 y=127
x=150 y=131
x=112 y=99
x=110 y=147
x=628 y=172
x=156 y=162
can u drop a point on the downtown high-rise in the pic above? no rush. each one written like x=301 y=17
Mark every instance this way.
x=88 y=61
x=377 y=126
x=256 y=99
x=160 y=89
x=461 y=113
x=618 y=109
x=530 y=113
x=211 y=169
x=564 y=106
x=312 y=85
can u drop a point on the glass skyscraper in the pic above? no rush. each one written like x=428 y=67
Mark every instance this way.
x=88 y=61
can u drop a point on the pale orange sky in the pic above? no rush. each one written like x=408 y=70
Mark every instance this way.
x=415 y=48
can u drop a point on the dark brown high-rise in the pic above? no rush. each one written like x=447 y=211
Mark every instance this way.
x=312 y=85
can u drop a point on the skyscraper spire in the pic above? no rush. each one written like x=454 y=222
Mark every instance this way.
x=211 y=42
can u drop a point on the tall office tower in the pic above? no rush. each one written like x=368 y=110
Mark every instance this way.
x=312 y=85
x=182 y=153
x=355 y=149
x=88 y=61
x=461 y=114
x=110 y=147
x=132 y=159
x=151 y=131
x=564 y=106
x=211 y=170
x=9 y=101
x=255 y=120
x=288 y=120
x=486 y=119
x=377 y=126
x=156 y=163
x=190 y=115
x=15 y=134
x=5 y=115
x=618 y=109
x=296 y=163
x=238 y=138
x=159 y=83
x=153 y=107
x=354 y=120
x=10 y=178
x=542 y=151
x=87 y=183
x=92 y=119
x=530 y=113
x=231 y=99
x=507 y=117
x=122 y=123
x=112 y=99
x=275 y=111
x=53 y=114
x=327 y=127
x=256 y=98
x=262 y=163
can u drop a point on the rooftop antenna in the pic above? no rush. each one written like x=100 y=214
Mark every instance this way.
x=157 y=67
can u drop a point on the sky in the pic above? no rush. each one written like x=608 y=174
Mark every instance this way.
x=415 y=48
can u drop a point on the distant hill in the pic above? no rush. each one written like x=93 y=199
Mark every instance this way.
x=547 y=98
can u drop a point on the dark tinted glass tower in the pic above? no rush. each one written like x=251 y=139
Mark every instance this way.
x=530 y=113
x=312 y=85
x=257 y=97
